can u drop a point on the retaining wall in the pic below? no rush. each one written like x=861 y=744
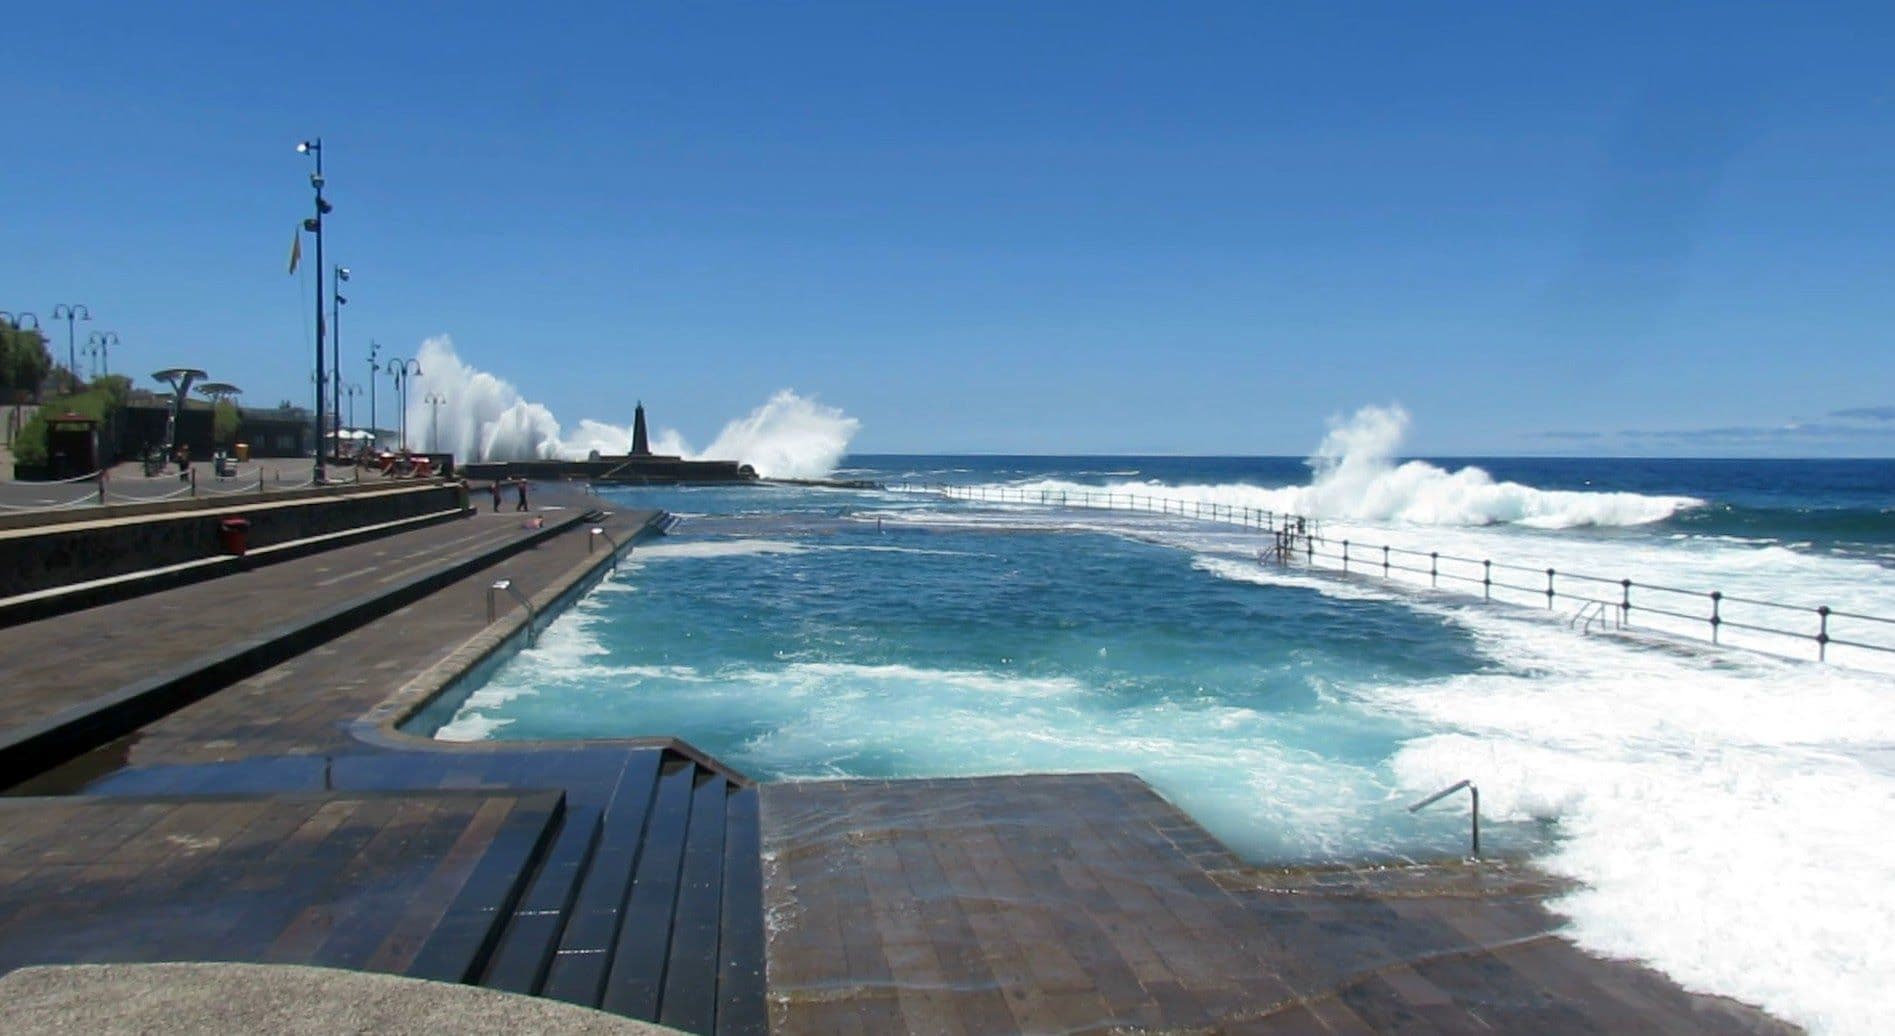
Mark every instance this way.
x=43 y=557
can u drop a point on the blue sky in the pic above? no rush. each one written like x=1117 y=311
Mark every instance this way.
x=1183 y=228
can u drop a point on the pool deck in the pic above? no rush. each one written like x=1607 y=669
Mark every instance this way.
x=267 y=811
x=1087 y=903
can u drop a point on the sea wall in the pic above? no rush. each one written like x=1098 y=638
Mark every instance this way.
x=44 y=556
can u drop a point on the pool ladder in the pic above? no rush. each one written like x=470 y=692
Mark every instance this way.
x=1591 y=612
x=1473 y=815
x=532 y=616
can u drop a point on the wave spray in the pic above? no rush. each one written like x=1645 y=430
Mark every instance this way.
x=1356 y=477
x=486 y=418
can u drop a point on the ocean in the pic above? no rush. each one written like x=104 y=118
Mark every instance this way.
x=1724 y=810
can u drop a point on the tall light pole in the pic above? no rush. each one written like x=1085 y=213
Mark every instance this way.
x=69 y=313
x=373 y=369
x=314 y=226
x=336 y=302
x=99 y=343
x=352 y=390
x=434 y=401
x=402 y=370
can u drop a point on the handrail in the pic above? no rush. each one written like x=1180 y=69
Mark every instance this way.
x=532 y=615
x=599 y=530
x=1473 y=814
x=1551 y=585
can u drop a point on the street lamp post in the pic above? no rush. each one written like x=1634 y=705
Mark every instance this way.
x=314 y=226
x=402 y=370
x=374 y=368
x=434 y=401
x=70 y=313
x=352 y=390
x=99 y=343
x=336 y=302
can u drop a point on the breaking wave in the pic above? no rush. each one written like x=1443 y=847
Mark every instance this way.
x=1357 y=477
x=486 y=418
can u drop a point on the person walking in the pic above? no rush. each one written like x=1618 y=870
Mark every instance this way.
x=520 y=484
x=496 y=495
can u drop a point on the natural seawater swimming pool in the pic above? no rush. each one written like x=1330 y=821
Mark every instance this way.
x=803 y=642
x=1714 y=805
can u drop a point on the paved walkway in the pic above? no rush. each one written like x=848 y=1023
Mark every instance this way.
x=302 y=705
x=55 y=663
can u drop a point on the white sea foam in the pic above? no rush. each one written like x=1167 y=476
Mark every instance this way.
x=1725 y=815
x=674 y=550
x=486 y=418
x=1356 y=477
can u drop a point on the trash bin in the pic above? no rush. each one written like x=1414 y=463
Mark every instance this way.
x=233 y=534
x=243 y=452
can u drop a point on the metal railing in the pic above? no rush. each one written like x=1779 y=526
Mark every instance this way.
x=506 y=586
x=1105 y=500
x=1704 y=615
x=99 y=489
x=599 y=530
x=1473 y=813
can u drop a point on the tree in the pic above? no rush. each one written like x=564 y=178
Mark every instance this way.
x=225 y=420
x=24 y=359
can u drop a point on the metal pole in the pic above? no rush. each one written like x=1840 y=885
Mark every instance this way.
x=322 y=328
x=335 y=346
x=373 y=369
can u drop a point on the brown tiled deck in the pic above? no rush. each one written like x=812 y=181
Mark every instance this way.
x=352 y=880
x=1086 y=903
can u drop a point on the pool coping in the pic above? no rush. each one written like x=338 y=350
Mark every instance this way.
x=381 y=725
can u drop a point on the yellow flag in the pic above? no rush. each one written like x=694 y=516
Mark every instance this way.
x=296 y=250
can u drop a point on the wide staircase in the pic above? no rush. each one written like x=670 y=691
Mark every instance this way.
x=648 y=904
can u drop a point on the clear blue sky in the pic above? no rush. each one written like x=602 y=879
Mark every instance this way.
x=1006 y=227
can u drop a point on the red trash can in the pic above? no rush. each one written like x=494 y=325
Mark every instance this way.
x=234 y=535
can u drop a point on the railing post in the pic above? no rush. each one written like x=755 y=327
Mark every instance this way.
x=1384 y=561
x=1822 y=634
x=1434 y=568
x=101 y=486
x=1549 y=589
x=1625 y=603
x=1345 y=555
x=1487 y=580
x=193 y=481
x=1717 y=620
